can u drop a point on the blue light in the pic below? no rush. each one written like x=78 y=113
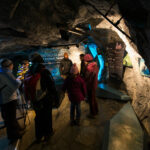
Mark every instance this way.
x=93 y=49
x=55 y=72
x=89 y=25
x=146 y=71
x=85 y=45
x=143 y=68
x=101 y=62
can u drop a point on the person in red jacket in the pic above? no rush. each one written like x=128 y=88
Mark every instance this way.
x=91 y=73
x=76 y=90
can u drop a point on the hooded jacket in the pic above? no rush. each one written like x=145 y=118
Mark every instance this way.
x=75 y=87
x=91 y=74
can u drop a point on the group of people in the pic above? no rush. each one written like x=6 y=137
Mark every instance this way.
x=79 y=86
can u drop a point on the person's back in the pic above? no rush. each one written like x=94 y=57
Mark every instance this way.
x=35 y=74
x=43 y=107
x=76 y=90
x=91 y=83
x=91 y=74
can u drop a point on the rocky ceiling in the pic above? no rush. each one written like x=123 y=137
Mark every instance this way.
x=28 y=23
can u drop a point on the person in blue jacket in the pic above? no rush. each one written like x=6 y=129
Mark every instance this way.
x=8 y=100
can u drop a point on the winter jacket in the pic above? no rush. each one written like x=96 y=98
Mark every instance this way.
x=91 y=74
x=8 y=86
x=47 y=82
x=75 y=87
x=65 y=66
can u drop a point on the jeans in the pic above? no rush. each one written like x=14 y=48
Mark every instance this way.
x=75 y=107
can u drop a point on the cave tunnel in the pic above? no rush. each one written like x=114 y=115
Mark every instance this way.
x=117 y=35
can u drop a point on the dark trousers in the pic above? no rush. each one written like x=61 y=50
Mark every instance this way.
x=9 y=115
x=43 y=120
x=75 y=108
x=92 y=102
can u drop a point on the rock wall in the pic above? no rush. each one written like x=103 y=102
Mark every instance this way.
x=137 y=85
x=140 y=95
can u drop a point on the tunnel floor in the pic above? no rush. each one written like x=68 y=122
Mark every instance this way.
x=87 y=136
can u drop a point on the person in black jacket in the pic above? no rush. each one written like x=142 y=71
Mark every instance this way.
x=82 y=69
x=65 y=66
x=43 y=107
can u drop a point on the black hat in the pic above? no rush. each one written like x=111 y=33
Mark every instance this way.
x=36 y=58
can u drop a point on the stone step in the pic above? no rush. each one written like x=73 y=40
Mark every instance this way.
x=105 y=91
x=124 y=132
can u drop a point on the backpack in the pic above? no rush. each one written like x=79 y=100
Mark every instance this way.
x=32 y=87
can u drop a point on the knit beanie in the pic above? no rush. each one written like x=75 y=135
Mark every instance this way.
x=6 y=63
x=88 y=57
x=74 y=69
